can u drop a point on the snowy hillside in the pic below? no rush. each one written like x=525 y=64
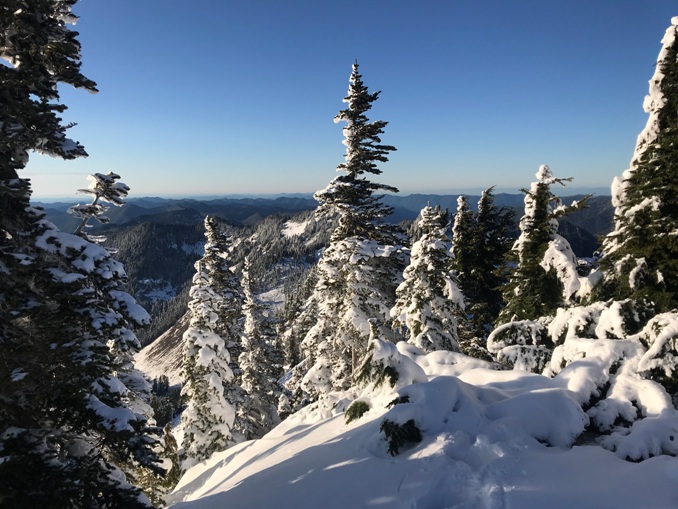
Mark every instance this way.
x=489 y=439
x=165 y=355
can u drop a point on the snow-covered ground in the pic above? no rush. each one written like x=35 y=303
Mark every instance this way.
x=165 y=355
x=274 y=298
x=294 y=229
x=490 y=439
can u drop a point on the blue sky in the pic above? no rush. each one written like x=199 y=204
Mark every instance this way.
x=238 y=97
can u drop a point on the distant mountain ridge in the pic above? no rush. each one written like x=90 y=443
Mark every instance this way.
x=596 y=219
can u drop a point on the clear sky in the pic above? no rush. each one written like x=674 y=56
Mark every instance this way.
x=238 y=96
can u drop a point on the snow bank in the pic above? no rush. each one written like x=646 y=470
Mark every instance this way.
x=490 y=439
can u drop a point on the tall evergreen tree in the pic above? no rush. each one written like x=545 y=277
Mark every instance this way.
x=225 y=282
x=209 y=416
x=544 y=279
x=462 y=262
x=492 y=242
x=351 y=196
x=641 y=254
x=358 y=272
x=260 y=365
x=428 y=301
x=463 y=245
x=210 y=385
x=65 y=425
x=545 y=276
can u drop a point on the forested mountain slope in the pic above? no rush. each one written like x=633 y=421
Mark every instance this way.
x=158 y=240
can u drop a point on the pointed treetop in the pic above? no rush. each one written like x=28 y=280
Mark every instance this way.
x=544 y=173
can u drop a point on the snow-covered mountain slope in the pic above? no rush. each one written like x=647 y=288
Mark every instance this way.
x=489 y=439
x=165 y=355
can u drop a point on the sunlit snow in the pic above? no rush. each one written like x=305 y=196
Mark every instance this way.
x=491 y=440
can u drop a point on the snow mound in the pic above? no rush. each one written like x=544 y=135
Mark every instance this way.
x=487 y=438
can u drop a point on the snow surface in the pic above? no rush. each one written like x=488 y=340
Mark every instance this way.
x=165 y=355
x=490 y=439
x=294 y=228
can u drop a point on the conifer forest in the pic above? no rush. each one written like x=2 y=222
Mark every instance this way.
x=456 y=357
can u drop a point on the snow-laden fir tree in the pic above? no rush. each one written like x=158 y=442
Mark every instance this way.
x=428 y=301
x=216 y=262
x=350 y=196
x=640 y=256
x=118 y=317
x=463 y=248
x=226 y=283
x=636 y=299
x=122 y=341
x=102 y=188
x=545 y=276
x=260 y=365
x=358 y=272
x=629 y=325
x=209 y=387
x=544 y=279
x=65 y=425
x=209 y=416
x=462 y=262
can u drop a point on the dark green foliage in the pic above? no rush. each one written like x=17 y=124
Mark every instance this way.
x=481 y=242
x=641 y=254
x=34 y=35
x=356 y=410
x=492 y=241
x=522 y=344
x=464 y=249
x=376 y=372
x=399 y=401
x=532 y=290
x=351 y=196
x=57 y=375
x=400 y=435
x=165 y=401
x=40 y=473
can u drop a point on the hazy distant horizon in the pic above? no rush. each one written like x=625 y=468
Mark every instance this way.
x=566 y=191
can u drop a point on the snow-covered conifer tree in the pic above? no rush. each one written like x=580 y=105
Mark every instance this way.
x=225 y=282
x=65 y=425
x=102 y=188
x=462 y=263
x=428 y=301
x=351 y=196
x=260 y=366
x=122 y=340
x=545 y=276
x=463 y=246
x=480 y=244
x=637 y=297
x=358 y=272
x=640 y=256
x=209 y=417
x=210 y=386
